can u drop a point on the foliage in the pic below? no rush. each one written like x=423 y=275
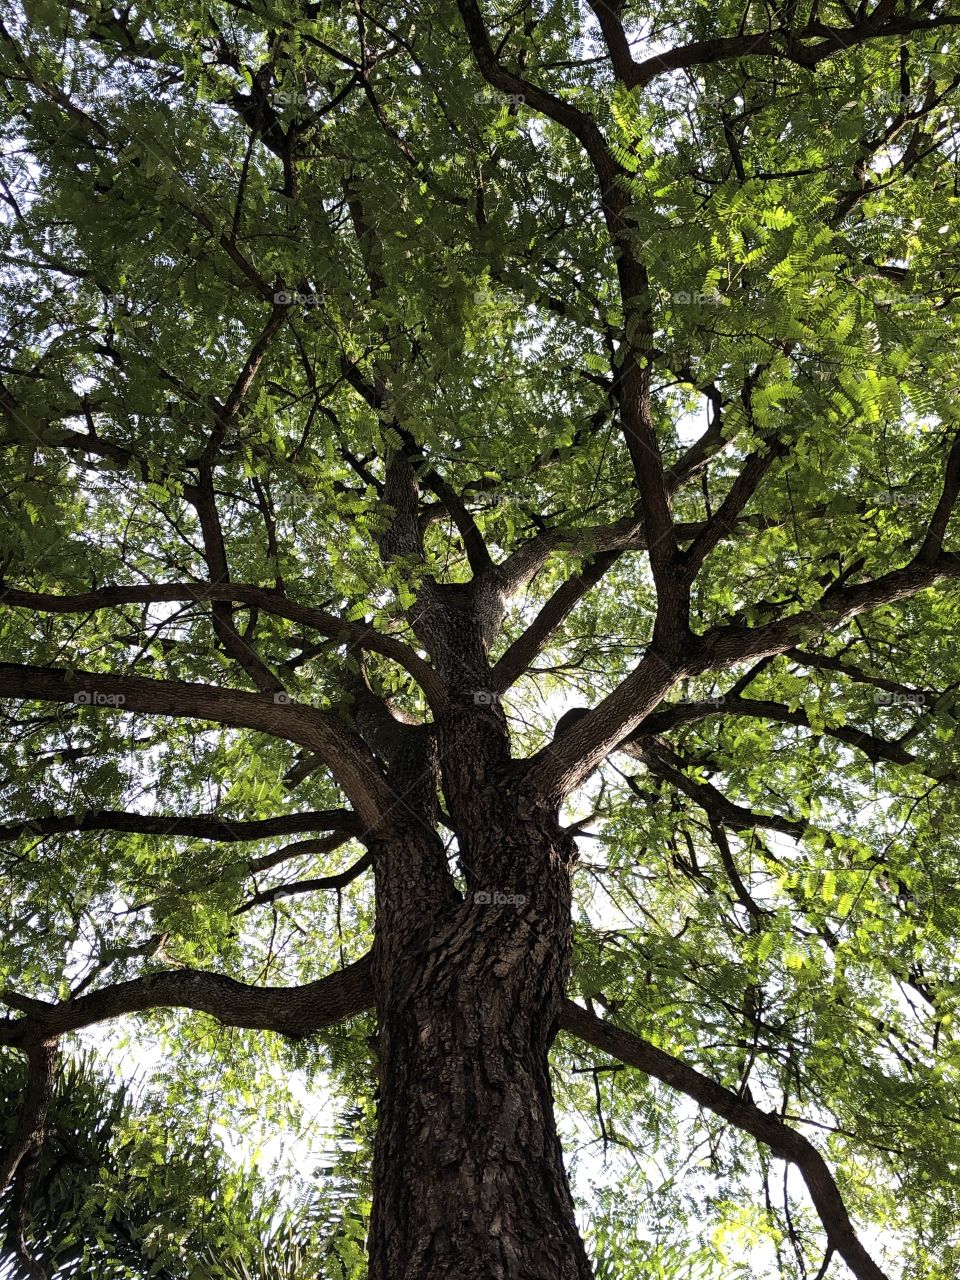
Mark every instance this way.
x=128 y=1187
x=769 y=887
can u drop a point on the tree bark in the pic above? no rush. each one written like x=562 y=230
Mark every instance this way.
x=469 y=1180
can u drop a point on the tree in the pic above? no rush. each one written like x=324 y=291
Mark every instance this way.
x=381 y=385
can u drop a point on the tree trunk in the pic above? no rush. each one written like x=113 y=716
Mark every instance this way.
x=469 y=1181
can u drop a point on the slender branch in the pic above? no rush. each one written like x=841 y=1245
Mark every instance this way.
x=518 y=656
x=478 y=554
x=632 y=382
x=827 y=662
x=516 y=571
x=766 y=1127
x=401 y=490
x=668 y=765
x=725 y=518
x=564 y=113
x=227 y=412
x=873 y=747
x=338 y=881
x=224 y=625
x=300 y=849
x=354 y=634
x=741 y=892
x=698 y=455
x=932 y=546
x=623 y=536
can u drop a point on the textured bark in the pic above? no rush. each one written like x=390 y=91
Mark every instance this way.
x=468 y=1171
x=28 y=1135
x=469 y=1180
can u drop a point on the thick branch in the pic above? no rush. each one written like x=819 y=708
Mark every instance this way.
x=932 y=546
x=606 y=543
x=291 y=1011
x=737 y=642
x=199 y=826
x=632 y=384
x=573 y=756
x=766 y=1127
x=341 y=750
x=782 y=43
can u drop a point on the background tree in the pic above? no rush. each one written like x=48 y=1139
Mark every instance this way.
x=378 y=387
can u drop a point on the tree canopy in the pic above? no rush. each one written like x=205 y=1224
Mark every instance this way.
x=624 y=338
